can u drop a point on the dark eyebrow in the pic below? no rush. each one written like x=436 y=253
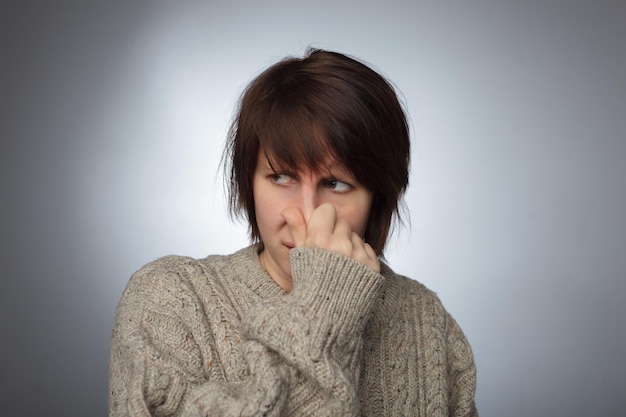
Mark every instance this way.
x=337 y=170
x=278 y=170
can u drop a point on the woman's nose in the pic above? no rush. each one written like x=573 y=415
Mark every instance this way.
x=309 y=200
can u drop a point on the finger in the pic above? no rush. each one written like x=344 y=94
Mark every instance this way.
x=370 y=251
x=341 y=240
x=343 y=229
x=373 y=262
x=359 y=252
x=365 y=254
x=297 y=225
x=322 y=219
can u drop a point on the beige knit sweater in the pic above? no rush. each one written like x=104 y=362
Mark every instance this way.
x=217 y=337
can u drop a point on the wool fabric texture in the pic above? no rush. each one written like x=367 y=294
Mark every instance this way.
x=218 y=337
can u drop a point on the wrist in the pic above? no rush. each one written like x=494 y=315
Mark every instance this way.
x=334 y=286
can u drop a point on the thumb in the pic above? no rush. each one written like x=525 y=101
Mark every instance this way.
x=296 y=223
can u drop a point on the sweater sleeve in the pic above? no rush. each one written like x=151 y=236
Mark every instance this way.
x=300 y=351
x=461 y=372
x=318 y=327
x=163 y=361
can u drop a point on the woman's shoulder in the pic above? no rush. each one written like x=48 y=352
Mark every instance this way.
x=180 y=267
x=402 y=292
x=168 y=269
x=405 y=285
x=173 y=275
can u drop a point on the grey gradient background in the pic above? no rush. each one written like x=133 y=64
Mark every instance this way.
x=113 y=115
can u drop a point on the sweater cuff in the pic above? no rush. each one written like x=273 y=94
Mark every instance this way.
x=330 y=303
x=338 y=291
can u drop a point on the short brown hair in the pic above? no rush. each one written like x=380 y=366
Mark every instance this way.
x=299 y=111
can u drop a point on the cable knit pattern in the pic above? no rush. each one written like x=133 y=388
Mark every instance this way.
x=217 y=337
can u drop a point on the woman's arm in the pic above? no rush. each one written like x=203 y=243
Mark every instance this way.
x=164 y=356
x=299 y=352
x=461 y=371
x=318 y=327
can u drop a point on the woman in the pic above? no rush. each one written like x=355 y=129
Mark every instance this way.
x=307 y=320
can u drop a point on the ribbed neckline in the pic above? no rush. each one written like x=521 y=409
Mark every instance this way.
x=248 y=271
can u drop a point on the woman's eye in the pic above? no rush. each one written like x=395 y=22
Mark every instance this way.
x=338 y=186
x=280 y=179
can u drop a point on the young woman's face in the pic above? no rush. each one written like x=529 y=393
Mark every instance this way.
x=305 y=190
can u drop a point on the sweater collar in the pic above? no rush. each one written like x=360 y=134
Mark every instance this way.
x=249 y=271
